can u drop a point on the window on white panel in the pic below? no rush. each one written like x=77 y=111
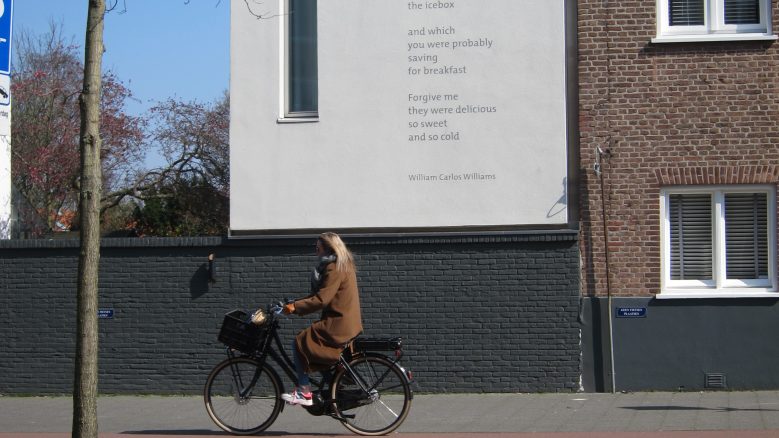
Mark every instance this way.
x=301 y=89
x=719 y=239
x=700 y=20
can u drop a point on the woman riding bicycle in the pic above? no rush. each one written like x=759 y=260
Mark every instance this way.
x=366 y=390
x=334 y=293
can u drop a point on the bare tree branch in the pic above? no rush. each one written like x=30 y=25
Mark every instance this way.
x=258 y=16
x=116 y=2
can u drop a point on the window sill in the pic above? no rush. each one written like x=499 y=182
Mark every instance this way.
x=284 y=120
x=713 y=38
x=720 y=293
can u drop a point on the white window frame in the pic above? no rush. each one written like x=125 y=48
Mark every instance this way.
x=719 y=286
x=285 y=115
x=714 y=28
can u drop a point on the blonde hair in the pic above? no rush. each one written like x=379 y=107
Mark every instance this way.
x=344 y=258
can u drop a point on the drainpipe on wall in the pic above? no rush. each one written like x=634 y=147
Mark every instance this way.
x=600 y=155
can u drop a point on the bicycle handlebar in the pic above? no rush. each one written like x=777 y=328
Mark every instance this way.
x=277 y=308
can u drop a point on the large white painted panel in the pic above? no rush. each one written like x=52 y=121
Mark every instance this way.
x=447 y=113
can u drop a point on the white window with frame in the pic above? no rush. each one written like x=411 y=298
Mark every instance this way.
x=713 y=20
x=718 y=242
x=299 y=66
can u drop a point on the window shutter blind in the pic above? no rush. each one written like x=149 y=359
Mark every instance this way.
x=742 y=11
x=746 y=235
x=691 y=237
x=685 y=12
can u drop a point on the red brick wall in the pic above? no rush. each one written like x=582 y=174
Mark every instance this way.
x=681 y=113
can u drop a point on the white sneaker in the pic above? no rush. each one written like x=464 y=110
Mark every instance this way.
x=297 y=397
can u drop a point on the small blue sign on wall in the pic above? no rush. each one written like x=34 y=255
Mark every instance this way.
x=105 y=313
x=631 y=312
x=6 y=18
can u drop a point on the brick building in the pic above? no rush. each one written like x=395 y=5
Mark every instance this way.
x=679 y=109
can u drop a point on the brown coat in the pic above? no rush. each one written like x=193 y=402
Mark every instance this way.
x=321 y=344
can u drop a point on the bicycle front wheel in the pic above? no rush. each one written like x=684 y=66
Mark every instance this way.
x=379 y=410
x=243 y=397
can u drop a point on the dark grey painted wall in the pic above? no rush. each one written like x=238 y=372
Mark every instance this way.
x=479 y=313
x=678 y=342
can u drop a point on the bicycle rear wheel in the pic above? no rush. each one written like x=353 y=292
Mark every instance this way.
x=383 y=407
x=243 y=397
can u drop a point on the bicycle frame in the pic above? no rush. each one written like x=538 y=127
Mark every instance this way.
x=350 y=391
x=279 y=355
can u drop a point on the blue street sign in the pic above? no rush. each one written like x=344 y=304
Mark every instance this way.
x=6 y=20
x=631 y=312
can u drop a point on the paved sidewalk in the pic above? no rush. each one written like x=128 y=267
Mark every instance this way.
x=494 y=413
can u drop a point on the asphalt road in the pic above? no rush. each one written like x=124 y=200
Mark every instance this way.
x=584 y=415
x=664 y=434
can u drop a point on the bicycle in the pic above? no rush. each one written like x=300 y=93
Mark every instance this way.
x=367 y=391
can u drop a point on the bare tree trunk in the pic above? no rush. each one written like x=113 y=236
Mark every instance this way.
x=85 y=379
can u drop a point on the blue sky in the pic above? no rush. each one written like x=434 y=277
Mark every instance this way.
x=158 y=48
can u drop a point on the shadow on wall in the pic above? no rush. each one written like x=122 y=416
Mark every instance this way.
x=202 y=278
x=561 y=204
